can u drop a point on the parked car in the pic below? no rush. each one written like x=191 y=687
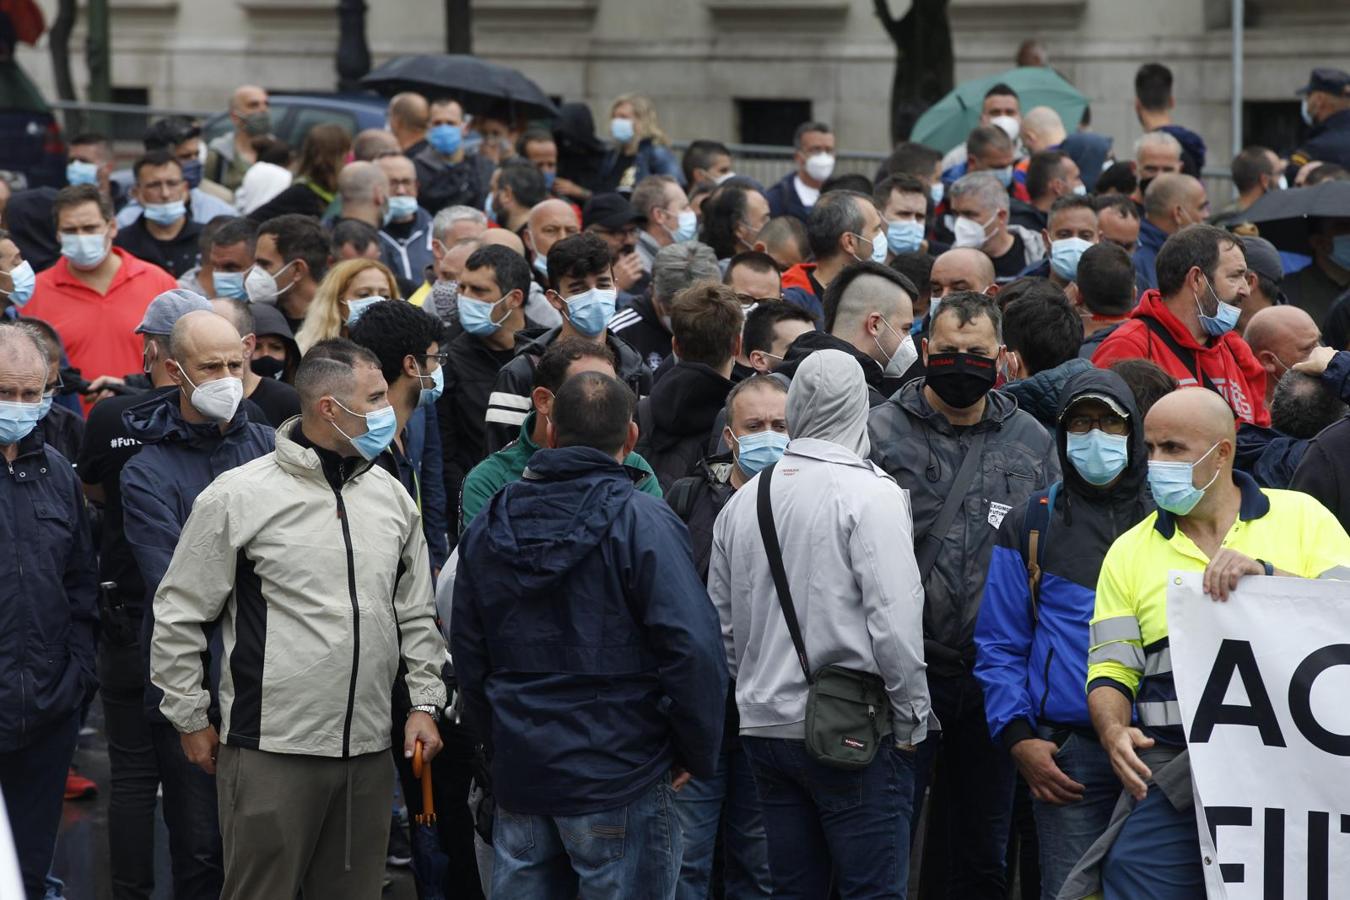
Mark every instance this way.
x=293 y=115
x=31 y=145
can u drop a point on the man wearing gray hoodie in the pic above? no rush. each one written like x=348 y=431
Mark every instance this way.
x=844 y=527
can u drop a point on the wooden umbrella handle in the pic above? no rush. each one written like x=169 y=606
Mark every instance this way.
x=422 y=770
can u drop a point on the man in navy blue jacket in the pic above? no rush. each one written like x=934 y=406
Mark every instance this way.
x=48 y=611
x=588 y=654
x=189 y=436
x=1032 y=649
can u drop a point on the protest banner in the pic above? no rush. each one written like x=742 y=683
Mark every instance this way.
x=1262 y=682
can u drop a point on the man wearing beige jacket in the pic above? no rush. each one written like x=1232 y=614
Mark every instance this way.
x=313 y=561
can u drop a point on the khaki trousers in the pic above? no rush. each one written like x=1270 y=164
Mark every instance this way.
x=311 y=825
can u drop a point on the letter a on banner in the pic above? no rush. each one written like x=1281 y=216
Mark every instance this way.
x=1262 y=681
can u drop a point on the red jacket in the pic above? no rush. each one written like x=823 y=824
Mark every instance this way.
x=1227 y=362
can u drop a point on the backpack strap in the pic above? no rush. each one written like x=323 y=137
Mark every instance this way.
x=1035 y=529
x=1184 y=355
x=680 y=497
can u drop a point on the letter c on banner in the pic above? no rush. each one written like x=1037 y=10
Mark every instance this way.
x=1300 y=698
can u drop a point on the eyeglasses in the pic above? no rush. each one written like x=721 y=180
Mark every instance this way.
x=441 y=358
x=1109 y=423
x=57 y=387
x=747 y=300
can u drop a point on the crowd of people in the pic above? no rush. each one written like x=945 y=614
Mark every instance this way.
x=700 y=538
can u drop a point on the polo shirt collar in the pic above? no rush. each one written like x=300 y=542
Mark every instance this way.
x=1254 y=505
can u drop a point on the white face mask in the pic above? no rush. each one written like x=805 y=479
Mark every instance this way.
x=969 y=233
x=217 y=400
x=904 y=356
x=261 y=285
x=820 y=166
x=1011 y=127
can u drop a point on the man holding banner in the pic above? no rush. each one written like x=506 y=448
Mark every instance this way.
x=1214 y=520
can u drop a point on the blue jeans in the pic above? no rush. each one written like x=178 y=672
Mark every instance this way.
x=192 y=817
x=728 y=798
x=1157 y=854
x=965 y=849
x=33 y=779
x=632 y=851
x=820 y=819
x=1066 y=832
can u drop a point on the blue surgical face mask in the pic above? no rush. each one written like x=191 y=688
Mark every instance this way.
x=1173 y=484
x=590 y=311
x=24 y=280
x=936 y=191
x=355 y=308
x=165 y=213
x=80 y=172
x=540 y=263
x=380 y=427
x=84 y=251
x=230 y=284
x=686 y=228
x=1225 y=318
x=488 y=209
x=476 y=316
x=879 y=247
x=1340 y=250
x=1004 y=175
x=759 y=449
x=621 y=130
x=431 y=394
x=1099 y=457
x=1064 y=256
x=445 y=139
x=904 y=237
x=17 y=420
x=549 y=178
x=46 y=405
x=192 y=173
x=402 y=207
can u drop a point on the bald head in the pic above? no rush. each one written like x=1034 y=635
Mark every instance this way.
x=868 y=294
x=361 y=182
x=1275 y=327
x=962 y=269
x=551 y=209
x=505 y=238
x=202 y=332
x=1185 y=424
x=1174 y=201
x=1042 y=128
x=374 y=143
x=247 y=98
x=409 y=110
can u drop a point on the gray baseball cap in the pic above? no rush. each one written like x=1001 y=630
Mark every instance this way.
x=166 y=309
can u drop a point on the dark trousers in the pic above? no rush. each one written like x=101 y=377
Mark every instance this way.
x=964 y=848
x=33 y=779
x=134 y=771
x=821 y=820
x=190 y=812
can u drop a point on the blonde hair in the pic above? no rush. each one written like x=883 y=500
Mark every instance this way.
x=645 y=124
x=326 y=317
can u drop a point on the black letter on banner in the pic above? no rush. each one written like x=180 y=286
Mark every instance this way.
x=1318 y=825
x=1300 y=698
x=1222 y=816
x=1236 y=656
x=1274 y=853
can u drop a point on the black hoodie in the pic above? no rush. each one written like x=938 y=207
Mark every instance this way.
x=678 y=419
x=880 y=386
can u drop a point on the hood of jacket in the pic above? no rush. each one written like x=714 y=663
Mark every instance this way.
x=1108 y=384
x=686 y=402
x=159 y=420
x=1040 y=394
x=809 y=342
x=828 y=400
x=541 y=527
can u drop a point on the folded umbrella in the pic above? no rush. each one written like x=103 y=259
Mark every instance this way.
x=1284 y=217
x=948 y=122
x=480 y=86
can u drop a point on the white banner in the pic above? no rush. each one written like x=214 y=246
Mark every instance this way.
x=1264 y=686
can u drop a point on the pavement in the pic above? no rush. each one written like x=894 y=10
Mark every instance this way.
x=81 y=859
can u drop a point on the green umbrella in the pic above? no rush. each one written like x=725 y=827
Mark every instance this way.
x=948 y=122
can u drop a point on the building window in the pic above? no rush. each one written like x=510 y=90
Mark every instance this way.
x=770 y=122
x=1277 y=123
x=130 y=126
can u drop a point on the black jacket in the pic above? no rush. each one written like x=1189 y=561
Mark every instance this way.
x=1323 y=471
x=880 y=386
x=1329 y=142
x=681 y=411
x=175 y=256
x=783 y=199
x=48 y=594
x=697 y=499
x=509 y=403
x=639 y=325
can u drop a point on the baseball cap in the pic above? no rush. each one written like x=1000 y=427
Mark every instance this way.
x=1331 y=81
x=609 y=211
x=1263 y=258
x=165 y=310
x=1111 y=403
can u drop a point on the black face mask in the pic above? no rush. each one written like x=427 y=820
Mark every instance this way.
x=1143 y=185
x=267 y=367
x=960 y=379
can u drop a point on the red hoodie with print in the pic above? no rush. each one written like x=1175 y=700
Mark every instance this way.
x=1226 y=364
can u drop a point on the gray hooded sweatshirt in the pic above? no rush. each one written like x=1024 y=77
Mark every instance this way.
x=845 y=531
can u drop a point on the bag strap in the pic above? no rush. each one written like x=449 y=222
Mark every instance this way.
x=1037 y=527
x=926 y=553
x=1184 y=354
x=768 y=532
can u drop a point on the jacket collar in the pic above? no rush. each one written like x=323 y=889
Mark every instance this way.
x=997 y=408
x=1254 y=505
x=31 y=460
x=298 y=455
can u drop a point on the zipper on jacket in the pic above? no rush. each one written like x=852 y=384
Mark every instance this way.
x=1049 y=656
x=356 y=623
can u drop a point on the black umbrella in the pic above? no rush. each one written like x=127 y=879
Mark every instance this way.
x=480 y=86
x=1283 y=216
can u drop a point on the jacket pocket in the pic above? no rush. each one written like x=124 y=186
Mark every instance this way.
x=55 y=533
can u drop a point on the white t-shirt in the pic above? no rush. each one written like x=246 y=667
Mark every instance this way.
x=807 y=194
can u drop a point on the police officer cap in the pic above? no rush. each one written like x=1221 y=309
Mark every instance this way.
x=1330 y=81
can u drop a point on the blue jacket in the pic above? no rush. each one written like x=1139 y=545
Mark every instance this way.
x=1040 y=394
x=423 y=446
x=1151 y=239
x=1033 y=666
x=48 y=595
x=651 y=159
x=783 y=199
x=588 y=653
x=176 y=462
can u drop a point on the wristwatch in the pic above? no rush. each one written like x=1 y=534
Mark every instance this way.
x=430 y=709
x=1270 y=570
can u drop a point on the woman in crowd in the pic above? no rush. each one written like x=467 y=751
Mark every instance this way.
x=347 y=289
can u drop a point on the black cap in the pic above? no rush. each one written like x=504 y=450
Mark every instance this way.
x=609 y=211
x=1331 y=81
x=1263 y=258
x=169 y=132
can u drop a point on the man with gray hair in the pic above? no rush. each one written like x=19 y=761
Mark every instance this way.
x=980 y=206
x=451 y=226
x=313 y=560
x=665 y=214
x=1171 y=202
x=48 y=611
x=843 y=227
x=645 y=325
x=1155 y=153
x=406 y=234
